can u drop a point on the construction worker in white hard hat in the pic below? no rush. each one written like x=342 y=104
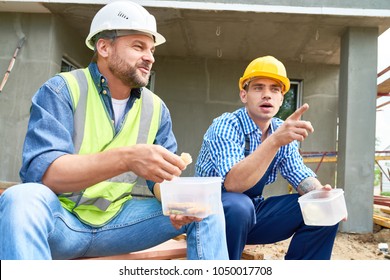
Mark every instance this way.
x=247 y=148
x=94 y=134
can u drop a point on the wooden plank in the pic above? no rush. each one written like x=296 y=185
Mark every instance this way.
x=171 y=249
x=382 y=157
x=319 y=159
x=382 y=200
x=250 y=253
x=382 y=221
x=385 y=210
x=175 y=248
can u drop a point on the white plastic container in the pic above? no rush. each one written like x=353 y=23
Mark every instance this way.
x=191 y=196
x=323 y=208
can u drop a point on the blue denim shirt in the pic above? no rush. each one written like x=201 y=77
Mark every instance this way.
x=50 y=128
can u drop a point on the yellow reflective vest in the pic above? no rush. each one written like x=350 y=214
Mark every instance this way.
x=94 y=132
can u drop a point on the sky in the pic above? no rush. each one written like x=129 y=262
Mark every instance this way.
x=383 y=114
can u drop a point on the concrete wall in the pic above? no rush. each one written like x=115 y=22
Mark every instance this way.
x=39 y=58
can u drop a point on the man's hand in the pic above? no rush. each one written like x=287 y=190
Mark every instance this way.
x=179 y=220
x=293 y=128
x=310 y=184
x=154 y=162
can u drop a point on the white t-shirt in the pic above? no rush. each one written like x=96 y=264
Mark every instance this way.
x=119 y=106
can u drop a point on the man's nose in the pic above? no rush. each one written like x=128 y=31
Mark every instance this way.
x=267 y=92
x=148 y=56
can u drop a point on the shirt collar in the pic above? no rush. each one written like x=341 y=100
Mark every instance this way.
x=101 y=82
x=250 y=125
x=246 y=121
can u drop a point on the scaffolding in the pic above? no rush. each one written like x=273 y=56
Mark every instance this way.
x=331 y=156
x=383 y=90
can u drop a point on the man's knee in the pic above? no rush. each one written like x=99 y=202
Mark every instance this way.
x=238 y=206
x=23 y=194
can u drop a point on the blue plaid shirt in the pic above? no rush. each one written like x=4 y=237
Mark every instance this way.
x=50 y=128
x=233 y=136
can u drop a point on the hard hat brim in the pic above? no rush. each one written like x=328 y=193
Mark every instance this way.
x=158 y=38
x=283 y=80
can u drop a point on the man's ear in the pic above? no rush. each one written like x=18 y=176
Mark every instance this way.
x=102 y=47
x=243 y=95
x=281 y=99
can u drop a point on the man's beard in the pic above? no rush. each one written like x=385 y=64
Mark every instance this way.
x=127 y=73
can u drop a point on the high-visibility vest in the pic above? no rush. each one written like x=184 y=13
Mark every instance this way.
x=94 y=132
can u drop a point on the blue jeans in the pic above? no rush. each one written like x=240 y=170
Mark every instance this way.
x=34 y=225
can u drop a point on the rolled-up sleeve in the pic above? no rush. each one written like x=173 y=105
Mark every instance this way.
x=292 y=167
x=49 y=131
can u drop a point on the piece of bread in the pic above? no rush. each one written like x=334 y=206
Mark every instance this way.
x=186 y=157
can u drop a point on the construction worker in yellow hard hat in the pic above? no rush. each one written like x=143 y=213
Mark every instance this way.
x=247 y=148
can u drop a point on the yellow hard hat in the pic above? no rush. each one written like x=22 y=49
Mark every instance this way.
x=267 y=67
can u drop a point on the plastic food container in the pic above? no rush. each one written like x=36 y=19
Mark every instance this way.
x=323 y=208
x=191 y=196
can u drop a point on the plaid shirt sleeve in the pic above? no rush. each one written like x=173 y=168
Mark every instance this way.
x=292 y=167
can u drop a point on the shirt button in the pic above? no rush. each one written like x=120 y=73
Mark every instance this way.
x=104 y=91
x=103 y=80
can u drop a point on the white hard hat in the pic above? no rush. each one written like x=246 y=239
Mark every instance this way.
x=124 y=15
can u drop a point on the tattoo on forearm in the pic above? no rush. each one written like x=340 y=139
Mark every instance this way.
x=307 y=185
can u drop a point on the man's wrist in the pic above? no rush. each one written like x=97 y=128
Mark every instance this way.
x=307 y=185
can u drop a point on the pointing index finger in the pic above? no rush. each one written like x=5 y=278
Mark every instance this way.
x=296 y=116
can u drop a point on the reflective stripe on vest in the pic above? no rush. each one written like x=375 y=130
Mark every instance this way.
x=94 y=132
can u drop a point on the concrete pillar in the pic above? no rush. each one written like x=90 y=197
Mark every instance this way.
x=357 y=113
